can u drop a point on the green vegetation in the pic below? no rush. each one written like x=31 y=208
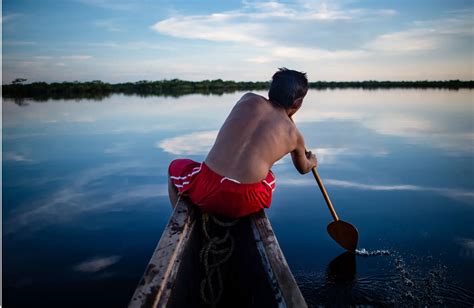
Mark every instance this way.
x=97 y=89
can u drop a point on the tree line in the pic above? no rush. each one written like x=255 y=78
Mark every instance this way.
x=175 y=87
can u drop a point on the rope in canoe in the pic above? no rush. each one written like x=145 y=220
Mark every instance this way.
x=216 y=251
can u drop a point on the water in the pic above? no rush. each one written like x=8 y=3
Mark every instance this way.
x=85 y=199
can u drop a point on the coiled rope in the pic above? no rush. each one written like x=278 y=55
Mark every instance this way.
x=216 y=251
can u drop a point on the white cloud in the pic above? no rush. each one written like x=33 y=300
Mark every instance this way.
x=261 y=59
x=255 y=20
x=134 y=45
x=77 y=57
x=332 y=155
x=329 y=155
x=425 y=35
x=108 y=24
x=42 y=57
x=401 y=125
x=332 y=11
x=360 y=186
x=18 y=43
x=13 y=156
x=190 y=144
x=120 y=5
x=412 y=40
x=304 y=53
x=269 y=31
x=310 y=10
x=83 y=119
x=249 y=28
x=96 y=264
x=10 y=17
x=215 y=27
x=121 y=148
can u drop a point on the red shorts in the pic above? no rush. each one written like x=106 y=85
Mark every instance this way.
x=217 y=194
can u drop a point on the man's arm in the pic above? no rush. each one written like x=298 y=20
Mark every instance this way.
x=304 y=161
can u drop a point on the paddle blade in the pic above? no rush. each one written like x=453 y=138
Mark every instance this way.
x=344 y=234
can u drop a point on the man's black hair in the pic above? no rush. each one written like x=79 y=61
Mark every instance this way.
x=287 y=86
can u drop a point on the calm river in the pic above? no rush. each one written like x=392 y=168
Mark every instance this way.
x=85 y=198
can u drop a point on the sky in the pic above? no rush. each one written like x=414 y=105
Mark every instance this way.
x=341 y=40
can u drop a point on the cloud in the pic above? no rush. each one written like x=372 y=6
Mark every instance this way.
x=267 y=25
x=120 y=5
x=412 y=40
x=339 y=45
x=42 y=57
x=18 y=43
x=261 y=59
x=83 y=119
x=77 y=57
x=96 y=264
x=191 y=144
x=10 y=17
x=402 y=125
x=121 y=149
x=304 y=53
x=257 y=22
x=215 y=27
x=328 y=155
x=425 y=35
x=309 y=10
x=332 y=11
x=108 y=24
x=133 y=45
x=13 y=156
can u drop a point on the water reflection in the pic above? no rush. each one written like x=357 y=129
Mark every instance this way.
x=342 y=269
x=441 y=119
x=87 y=191
x=96 y=264
x=398 y=284
x=462 y=195
x=197 y=143
x=397 y=163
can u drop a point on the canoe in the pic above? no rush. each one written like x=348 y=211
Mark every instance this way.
x=256 y=275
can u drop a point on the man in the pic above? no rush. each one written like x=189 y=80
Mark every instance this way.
x=235 y=179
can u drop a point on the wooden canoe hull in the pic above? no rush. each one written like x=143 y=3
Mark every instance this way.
x=257 y=275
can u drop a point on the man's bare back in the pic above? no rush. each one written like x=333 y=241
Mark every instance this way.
x=255 y=135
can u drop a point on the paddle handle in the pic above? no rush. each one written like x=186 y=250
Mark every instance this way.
x=325 y=194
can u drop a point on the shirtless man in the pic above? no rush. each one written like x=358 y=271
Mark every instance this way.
x=235 y=179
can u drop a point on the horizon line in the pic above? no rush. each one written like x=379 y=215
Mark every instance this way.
x=238 y=81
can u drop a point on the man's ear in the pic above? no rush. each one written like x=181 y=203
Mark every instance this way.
x=297 y=103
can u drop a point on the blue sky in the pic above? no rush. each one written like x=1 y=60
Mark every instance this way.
x=116 y=40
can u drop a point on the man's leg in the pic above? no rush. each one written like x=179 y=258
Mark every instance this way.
x=172 y=192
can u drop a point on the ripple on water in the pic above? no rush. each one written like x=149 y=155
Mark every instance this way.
x=422 y=281
x=366 y=253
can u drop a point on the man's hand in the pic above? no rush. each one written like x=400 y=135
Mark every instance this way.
x=311 y=159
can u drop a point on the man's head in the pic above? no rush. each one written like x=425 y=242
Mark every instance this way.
x=288 y=88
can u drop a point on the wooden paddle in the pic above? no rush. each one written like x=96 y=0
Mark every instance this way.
x=342 y=232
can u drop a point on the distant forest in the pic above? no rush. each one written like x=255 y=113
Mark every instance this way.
x=175 y=87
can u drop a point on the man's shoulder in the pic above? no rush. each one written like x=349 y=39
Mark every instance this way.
x=251 y=95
